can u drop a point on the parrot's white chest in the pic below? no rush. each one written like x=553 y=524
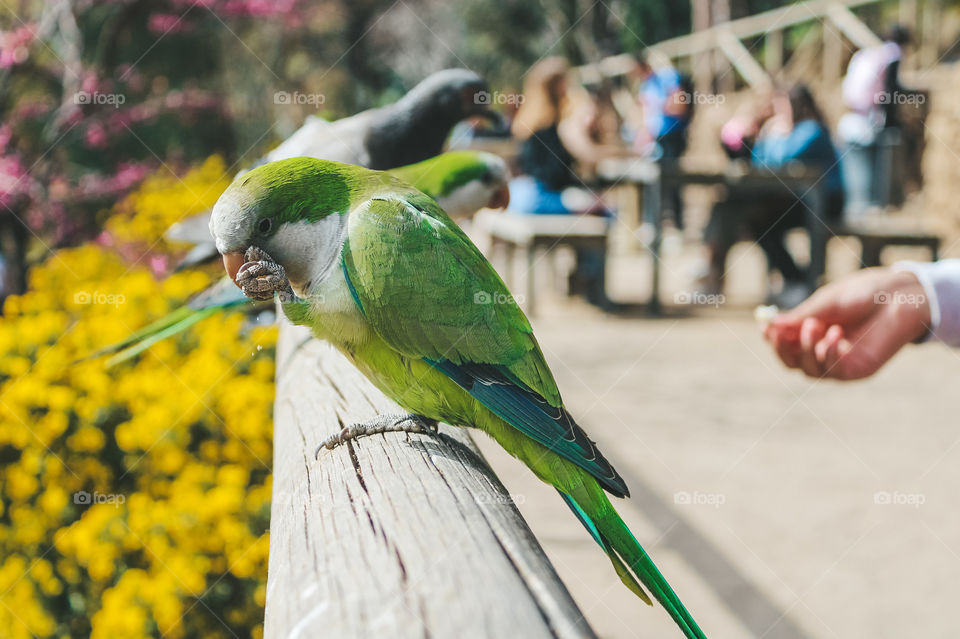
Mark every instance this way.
x=465 y=200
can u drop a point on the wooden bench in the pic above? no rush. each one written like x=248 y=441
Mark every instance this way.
x=529 y=233
x=650 y=180
x=396 y=535
x=874 y=239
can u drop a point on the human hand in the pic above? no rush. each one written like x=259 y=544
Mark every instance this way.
x=850 y=328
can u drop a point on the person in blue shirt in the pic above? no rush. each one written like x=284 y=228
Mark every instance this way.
x=667 y=103
x=797 y=132
x=665 y=109
x=807 y=141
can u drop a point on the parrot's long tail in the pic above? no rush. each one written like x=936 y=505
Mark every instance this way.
x=628 y=557
x=220 y=297
x=168 y=326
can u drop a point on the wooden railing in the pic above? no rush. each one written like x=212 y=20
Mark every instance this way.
x=396 y=535
x=726 y=38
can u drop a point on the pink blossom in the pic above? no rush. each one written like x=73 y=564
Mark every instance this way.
x=129 y=74
x=90 y=83
x=14 y=182
x=33 y=109
x=163 y=23
x=159 y=264
x=94 y=186
x=13 y=45
x=96 y=136
x=244 y=8
x=128 y=174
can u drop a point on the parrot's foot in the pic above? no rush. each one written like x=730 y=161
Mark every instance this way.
x=380 y=424
x=260 y=277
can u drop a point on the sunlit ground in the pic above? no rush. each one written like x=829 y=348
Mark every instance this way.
x=787 y=532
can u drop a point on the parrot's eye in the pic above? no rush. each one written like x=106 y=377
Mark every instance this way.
x=264 y=226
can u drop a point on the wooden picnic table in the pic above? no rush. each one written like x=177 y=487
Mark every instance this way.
x=652 y=179
x=527 y=233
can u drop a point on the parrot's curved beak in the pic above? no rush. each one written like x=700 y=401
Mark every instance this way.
x=500 y=198
x=232 y=263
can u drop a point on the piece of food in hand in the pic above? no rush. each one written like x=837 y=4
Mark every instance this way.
x=765 y=314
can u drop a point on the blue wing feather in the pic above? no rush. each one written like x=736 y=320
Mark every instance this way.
x=528 y=412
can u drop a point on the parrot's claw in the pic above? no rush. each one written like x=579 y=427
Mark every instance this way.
x=260 y=277
x=380 y=424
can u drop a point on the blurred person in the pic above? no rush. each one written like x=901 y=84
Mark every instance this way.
x=739 y=134
x=796 y=132
x=666 y=99
x=850 y=328
x=808 y=141
x=667 y=104
x=558 y=128
x=872 y=93
x=601 y=120
x=555 y=127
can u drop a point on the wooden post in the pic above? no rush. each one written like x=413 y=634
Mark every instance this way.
x=832 y=54
x=703 y=60
x=928 y=49
x=908 y=17
x=773 y=52
x=396 y=535
x=742 y=60
x=850 y=25
x=652 y=198
x=816 y=214
x=725 y=81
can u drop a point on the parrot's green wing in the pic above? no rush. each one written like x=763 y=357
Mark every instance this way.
x=429 y=293
x=442 y=174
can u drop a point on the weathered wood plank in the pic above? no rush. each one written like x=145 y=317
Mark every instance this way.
x=758 y=24
x=742 y=59
x=856 y=31
x=397 y=535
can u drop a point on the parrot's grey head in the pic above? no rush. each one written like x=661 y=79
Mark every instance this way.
x=451 y=95
x=416 y=126
x=295 y=210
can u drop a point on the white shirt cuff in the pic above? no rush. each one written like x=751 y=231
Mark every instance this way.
x=941 y=285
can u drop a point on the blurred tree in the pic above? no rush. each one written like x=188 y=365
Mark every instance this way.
x=94 y=94
x=646 y=22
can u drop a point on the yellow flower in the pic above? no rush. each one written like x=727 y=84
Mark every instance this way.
x=149 y=480
x=87 y=438
x=53 y=500
x=20 y=484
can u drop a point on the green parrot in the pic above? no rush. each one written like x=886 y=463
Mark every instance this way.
x=379 y=270
x=462 y=182
x=459 y=181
